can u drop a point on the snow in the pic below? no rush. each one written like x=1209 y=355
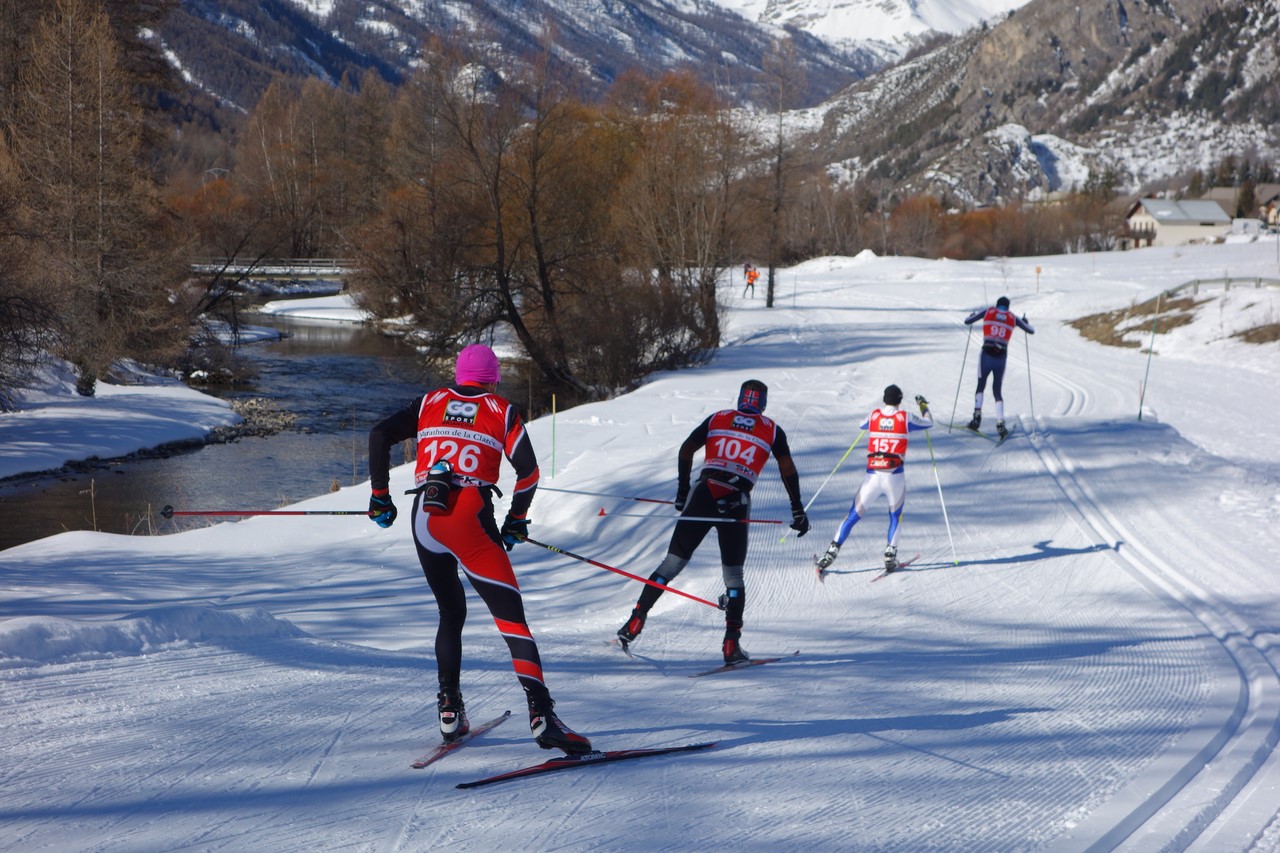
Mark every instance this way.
x=859 y=21
x=54 y=425
x=1085 y=655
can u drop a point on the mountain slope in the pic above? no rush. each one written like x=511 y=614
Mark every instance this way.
x=1147 y=90
x=1042 y=97
x=232 y=47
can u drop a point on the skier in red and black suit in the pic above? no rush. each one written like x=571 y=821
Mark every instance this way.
x=998 y=324
x=737 y=444
x=462 y=433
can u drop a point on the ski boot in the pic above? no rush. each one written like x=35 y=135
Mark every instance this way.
x=628 y=632
x=976 y=422
x=734 y=653
x=890 y=557
x=1000 y=428
x=830 y=557
x=548 y=730
x=453 y=714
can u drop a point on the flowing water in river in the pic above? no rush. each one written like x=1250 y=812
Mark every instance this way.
x=339 y=380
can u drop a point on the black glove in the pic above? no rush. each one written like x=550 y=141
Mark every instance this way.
x=799 y=521
x=514 y=531
x=682 y=497
x=382 y=510
x=922 y=403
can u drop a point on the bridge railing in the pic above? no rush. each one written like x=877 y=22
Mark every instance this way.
x=274 y=267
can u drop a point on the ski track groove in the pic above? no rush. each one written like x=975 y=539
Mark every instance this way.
x=1223 y=625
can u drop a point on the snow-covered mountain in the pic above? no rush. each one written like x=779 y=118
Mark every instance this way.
x=887 y=26
x=232 y=47
x=980 y=101
x=1142 y=93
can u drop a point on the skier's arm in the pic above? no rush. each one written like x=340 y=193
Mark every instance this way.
x=385 y=434
x=684 y=461
x=787 y=468
x=918 y=422
x=975 y=316
x=1024 y=325
x=521 y=455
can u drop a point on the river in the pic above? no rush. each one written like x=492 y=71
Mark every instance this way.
x=339 y=379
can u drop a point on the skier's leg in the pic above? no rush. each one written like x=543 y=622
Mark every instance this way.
x=685 y=539
x=896 y=491
x=865 y=493
x=733 y=555
x=441 y=571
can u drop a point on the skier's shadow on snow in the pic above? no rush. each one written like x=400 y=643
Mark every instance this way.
x=764 y=730
x=1043 y=551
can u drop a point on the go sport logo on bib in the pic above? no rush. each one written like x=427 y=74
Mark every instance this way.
x=461 y=412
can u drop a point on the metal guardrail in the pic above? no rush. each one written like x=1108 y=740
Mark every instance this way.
x=1226 y=283
x=274 y=267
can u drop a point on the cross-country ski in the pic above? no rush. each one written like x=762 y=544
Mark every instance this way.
x=746 y=664
x=884 y=574
x=586 y=759
x=440 y=751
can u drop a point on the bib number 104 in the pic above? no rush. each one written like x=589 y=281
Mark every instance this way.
x=734 y=450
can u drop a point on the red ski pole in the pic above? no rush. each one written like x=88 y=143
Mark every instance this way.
x=600 y=565
x=542 y=488
x=711 y=519
x=170 y=512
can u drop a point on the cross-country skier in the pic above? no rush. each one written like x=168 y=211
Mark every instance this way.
x=462 y=433
x=998 y=324
x=888 y=428
x=736 y=443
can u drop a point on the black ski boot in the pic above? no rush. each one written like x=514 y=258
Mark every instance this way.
x=548 y=730
x=976 y=422
x=890 y=558
x=1000 y=428
x=735 y=602
x=734 y=653
x=453 y=714
x=628 y=632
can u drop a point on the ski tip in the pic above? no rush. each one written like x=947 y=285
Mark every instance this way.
x=614 y=642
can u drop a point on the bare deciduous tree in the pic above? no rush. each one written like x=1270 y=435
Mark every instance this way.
x=95 y=224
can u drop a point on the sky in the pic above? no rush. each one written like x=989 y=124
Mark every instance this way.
x=1084 y=655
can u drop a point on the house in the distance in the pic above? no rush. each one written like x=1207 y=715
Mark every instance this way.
x=1165 y=222
x=1266 y=197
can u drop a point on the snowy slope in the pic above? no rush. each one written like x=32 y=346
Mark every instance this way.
x=1086 y=652
x=895 y=22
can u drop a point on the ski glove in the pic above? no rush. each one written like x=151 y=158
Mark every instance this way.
x=514 y=531
x=682 y=497
x=799 y=521
x=382 y=510
x=922 y=403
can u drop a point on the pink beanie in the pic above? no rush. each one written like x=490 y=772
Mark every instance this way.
x=476 y=365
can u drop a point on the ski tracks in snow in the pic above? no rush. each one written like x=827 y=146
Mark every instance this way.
x=1229 y=762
